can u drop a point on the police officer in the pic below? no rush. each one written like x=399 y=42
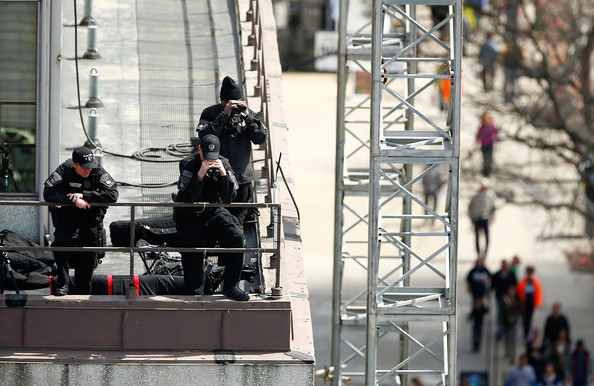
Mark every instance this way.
x=237 y=128
x=207 y=177
x=79 y=181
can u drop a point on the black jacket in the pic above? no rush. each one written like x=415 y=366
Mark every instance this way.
x=189 y=189
x=99 y=186
x=235 y=142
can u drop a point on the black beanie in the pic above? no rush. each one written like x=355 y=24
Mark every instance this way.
x=230 y=90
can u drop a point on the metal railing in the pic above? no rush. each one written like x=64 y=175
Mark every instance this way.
x=275 y=250
x=261 y=89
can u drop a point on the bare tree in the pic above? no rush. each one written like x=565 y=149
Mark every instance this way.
x=557 y=114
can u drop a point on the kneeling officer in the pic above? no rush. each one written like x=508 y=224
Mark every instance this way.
x=207 y=177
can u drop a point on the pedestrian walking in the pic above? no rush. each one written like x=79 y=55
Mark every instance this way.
x=535 y=351
x=486 y=137
x=516 y=267
x=481 y=211
x=554 y=323
x=438 y=14
x=581 y=365
x=510 y=313
x=500 y=282
x=521 y=374
x=478 y=280
x=512 y=58
x=479 y=310
x=432 y=181
x=559 y=353
x=488 y=54
x=416 y=382
x=549 y=377
x=530 y=293
x=511 y=9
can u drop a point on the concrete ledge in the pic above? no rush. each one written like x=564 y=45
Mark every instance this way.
x=161 y=323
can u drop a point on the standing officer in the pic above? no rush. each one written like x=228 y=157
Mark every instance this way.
x=79 y=181
x=236 y=126
x=206 y=177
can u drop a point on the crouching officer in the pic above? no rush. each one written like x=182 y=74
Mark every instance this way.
x=206 y=177
x=79 y=181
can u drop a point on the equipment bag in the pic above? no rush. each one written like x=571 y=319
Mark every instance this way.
x=31 y=269
x=155 y=230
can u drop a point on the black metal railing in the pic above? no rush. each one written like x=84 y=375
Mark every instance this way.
x=274 y=250
x=257 y=39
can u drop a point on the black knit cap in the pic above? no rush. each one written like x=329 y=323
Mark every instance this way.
x=230 y=90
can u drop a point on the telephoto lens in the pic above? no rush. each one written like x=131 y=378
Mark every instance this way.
x=238 y=109
x=213 y=174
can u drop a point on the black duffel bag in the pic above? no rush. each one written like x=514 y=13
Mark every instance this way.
x=155 y=230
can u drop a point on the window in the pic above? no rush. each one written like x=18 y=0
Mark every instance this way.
x=18 y=96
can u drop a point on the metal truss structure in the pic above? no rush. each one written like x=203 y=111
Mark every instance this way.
x=395 y=255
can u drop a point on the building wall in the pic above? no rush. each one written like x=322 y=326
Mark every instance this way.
x=104 y=374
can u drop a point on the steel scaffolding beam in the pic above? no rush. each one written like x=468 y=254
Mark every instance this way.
x=395 y=256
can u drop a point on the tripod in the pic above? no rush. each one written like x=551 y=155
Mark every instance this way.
x=5 y=261
x=6 y=173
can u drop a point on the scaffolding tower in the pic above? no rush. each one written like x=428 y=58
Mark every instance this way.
x=395 y=255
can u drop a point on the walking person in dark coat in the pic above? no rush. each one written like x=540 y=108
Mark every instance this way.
x=581 y=364
x=554 y=323
x=478 y=280
x=432 y=183
x=500 y=282
x=510 y=314
x=488 y=54
x=479 y=310
x=513 y=59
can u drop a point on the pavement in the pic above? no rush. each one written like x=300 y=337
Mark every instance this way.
x=533 y=234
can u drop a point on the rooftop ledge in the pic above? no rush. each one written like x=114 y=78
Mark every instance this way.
x=163 y=323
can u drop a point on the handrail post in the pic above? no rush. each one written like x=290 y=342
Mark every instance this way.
x=278 y=289
x=249 y=15
x=131 y=288
x=259 y=64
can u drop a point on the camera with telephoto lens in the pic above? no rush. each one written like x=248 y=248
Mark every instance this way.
x=237 y=119
x=213 y=174
x=238 y=109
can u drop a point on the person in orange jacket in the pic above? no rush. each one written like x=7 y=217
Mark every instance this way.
x=530 y=293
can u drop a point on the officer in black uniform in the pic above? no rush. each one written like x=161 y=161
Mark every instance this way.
x=237 y=128
x=207 y=177
x=79 y=181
